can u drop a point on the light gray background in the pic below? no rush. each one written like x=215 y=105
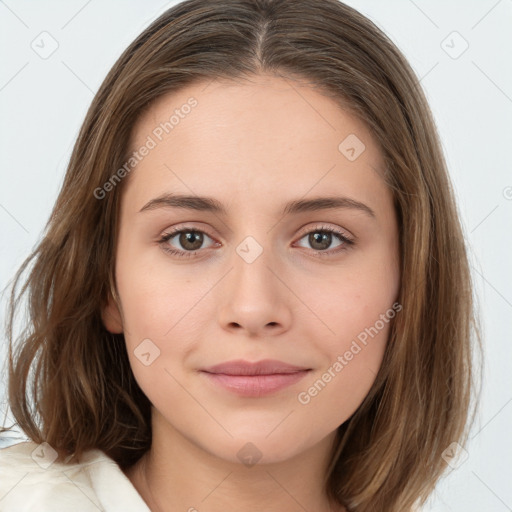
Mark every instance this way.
x=43 y=103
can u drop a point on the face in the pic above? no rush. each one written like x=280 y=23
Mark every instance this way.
x=269 y=273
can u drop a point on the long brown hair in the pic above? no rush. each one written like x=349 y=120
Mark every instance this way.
x=389 y=454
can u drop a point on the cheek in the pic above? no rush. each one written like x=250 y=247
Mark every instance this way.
x=157 y=297
x=352 y=362
x=162 y=321
x=352 y=301
x=356 y=308
x=162 y=326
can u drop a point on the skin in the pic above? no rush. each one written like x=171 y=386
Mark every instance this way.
x=253 y=146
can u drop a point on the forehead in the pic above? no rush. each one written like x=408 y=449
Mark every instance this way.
x=279 y=109
x=265 y=134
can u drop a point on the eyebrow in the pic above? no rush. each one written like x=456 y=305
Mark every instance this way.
x=209 y=204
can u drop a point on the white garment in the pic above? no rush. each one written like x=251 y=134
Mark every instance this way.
x=95 y=483
x=31 y=481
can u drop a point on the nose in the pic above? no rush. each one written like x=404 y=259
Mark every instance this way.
x=254 y=298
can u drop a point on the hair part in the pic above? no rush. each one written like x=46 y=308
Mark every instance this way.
x=388 y=455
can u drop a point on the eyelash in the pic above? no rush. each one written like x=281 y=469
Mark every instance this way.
x=346 y=242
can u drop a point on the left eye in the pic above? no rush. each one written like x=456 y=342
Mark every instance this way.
x=321 y=238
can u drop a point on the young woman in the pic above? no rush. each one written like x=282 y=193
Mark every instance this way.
x=253 y=291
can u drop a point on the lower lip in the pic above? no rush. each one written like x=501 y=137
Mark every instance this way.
x=255 y=385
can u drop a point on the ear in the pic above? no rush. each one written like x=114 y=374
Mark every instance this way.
x=111 y=317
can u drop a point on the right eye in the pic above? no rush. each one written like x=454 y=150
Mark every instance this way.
x=191 y=239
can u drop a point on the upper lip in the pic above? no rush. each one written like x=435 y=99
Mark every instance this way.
x=264 y=367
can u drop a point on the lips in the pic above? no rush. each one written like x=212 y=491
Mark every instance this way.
x=264 y=367
x=254 y=379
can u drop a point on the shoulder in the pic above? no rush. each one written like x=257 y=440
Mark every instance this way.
x=32 y=479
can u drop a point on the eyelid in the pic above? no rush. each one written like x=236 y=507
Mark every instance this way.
x=173 y=230
x=320 y=226
x=303 y=231
x=346 y=240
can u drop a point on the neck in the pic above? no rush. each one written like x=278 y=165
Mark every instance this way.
x=177 y=475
